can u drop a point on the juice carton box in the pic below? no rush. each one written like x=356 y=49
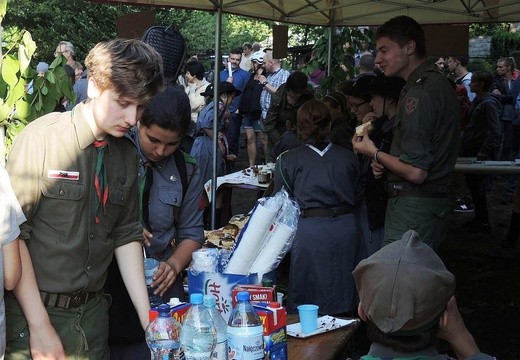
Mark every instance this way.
x=258 y=293
x=274 y=320
x=178 y=310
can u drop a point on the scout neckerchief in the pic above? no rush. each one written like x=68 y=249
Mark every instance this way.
x=100 y=180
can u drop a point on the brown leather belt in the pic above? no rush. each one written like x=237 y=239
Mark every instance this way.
x=327 y=212
x=67 y=301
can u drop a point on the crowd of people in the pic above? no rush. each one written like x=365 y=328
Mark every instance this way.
x=370 y=166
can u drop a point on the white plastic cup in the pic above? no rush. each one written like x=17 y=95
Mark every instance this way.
x=279 y=298
x=150 y=268
x=308 y=317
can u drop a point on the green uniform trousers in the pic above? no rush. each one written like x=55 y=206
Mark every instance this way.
x=83 y=330
x=427 y=216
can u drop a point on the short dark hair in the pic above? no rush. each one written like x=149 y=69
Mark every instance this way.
x=402 y=29
x=170 y=109
x=313 y=121
x=195 y=68
x=485 y=77
x=236 y=51
x=405 y=344
x=247 y=45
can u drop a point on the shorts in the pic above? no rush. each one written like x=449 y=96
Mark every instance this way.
x=250 y=123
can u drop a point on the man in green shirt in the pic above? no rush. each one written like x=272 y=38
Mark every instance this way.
x=75 y=177
x=426 y=136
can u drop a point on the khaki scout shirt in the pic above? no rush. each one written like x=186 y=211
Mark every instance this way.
x=52 y=166
x=427 y=125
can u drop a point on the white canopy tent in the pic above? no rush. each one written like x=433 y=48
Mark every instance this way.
x=353 y=12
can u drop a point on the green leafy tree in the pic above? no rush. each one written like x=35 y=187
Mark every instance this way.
x=345 y=43
x=23 y=94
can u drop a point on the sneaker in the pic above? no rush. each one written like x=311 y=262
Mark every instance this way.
x=462 y=206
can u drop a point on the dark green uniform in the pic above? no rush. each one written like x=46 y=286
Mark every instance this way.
x=52 y=167
x=426 y=135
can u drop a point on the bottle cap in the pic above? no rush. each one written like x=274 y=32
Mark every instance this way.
x=243 y=296
x=164 y=310
x=174 y=301
x=209 y=301
x=196 y=298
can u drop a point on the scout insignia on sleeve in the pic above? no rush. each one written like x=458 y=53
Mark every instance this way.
x=411 y=104
x=63 y=174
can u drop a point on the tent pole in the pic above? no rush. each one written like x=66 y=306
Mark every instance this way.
x=329 y=50
x=216 y=80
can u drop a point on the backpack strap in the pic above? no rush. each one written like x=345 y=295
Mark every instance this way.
x=181 y=158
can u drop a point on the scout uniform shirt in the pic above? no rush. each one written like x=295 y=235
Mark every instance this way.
x=166 y=194
x=52 y=165
x=427 y=125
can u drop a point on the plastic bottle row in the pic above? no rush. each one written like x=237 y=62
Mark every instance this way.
x=204 y=334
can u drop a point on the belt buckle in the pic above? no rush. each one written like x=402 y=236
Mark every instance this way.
x=77 y=299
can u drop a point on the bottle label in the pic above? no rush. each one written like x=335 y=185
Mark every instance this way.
x=220 y=352
x=245 y=343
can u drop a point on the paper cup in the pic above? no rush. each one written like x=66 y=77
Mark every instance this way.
x=150 y=268
x=279 y=298
x=308 y=317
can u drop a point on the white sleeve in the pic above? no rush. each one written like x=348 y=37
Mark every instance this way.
x=11 y=214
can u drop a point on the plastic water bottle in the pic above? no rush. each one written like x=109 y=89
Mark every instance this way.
x=163 y=336
x=220 y=352
x=245 y=331
x=198 y=334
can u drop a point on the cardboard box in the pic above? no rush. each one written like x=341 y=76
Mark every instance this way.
x=274 y=321
x=220 y=286
x=259 y=294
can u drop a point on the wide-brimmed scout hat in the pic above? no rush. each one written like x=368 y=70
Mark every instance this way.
x=223 y=87
x=361 y=87
x=386 y=86
x=404 y=287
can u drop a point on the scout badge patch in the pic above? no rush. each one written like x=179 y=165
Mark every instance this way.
x=411 y=104
x=63 y=174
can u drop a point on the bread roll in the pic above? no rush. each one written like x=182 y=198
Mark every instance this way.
x=361 y=128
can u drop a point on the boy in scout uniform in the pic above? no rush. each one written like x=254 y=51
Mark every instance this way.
x=426 y=136
x=75 y=177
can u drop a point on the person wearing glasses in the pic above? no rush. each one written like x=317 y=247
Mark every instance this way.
x=66 y=49
x=426 y=138
x=359 y=97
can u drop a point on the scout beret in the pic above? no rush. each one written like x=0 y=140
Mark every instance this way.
x=404 y=287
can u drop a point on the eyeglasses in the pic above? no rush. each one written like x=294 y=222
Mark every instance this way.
x=355 y=107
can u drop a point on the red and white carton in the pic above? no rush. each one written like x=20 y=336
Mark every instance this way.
x=258 y=293
x=274 y=321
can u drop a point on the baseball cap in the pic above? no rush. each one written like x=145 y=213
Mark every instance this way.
x=361 y=87
x=404 y=287
x=386 y=86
